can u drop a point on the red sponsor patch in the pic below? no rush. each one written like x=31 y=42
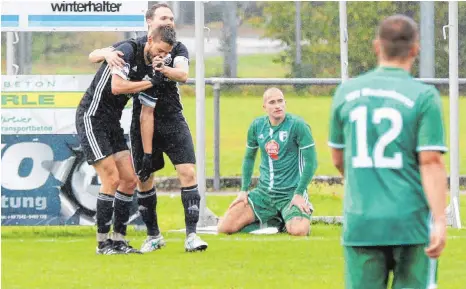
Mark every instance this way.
x=272 y=148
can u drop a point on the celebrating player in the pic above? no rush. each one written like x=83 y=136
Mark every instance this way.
x=101 y=136
x=288 y=163
x=387 y=140
x=162 y=128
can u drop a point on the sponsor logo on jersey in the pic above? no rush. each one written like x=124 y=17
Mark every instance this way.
x=272 y=148
x=261 y=136
x=283 y=135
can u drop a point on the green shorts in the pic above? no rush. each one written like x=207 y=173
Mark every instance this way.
x=369 y=267
x=266 y=208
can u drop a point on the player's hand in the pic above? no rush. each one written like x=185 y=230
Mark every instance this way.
x=158 y=63
x=241 y=199
x=114 y=59
x=301 y=203
x=438 y=238
x=145 y=171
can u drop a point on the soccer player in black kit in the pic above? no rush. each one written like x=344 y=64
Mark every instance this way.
x=101 y=136
x=162 y=128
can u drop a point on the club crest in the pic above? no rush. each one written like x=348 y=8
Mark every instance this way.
x=167 y=60
x=282 y=135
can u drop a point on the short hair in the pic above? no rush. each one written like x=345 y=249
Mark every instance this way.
x=151 y=11
x=164 y=33
x=271 y=91
x=397 y=34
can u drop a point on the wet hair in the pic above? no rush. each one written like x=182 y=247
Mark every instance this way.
x=164 y=33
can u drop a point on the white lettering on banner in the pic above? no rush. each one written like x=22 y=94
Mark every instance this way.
x=38 y=203
x=12 y=159
x=31 y=217
x=50 y=83
x=10 y=85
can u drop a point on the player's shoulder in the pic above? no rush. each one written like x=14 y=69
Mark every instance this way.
x=179 y=48
x=142 y=39
x=356 y=82
x=417 y=89
x=134 y=42
x=427 y=90
x=420 y=88
x=260 y=120
x=127 y=47
x=296 y=119
x=297 y=123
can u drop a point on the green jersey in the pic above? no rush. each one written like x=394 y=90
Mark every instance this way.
x=282 y=154
x=382 y=120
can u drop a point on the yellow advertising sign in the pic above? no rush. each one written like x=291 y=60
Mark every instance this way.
x=43 y=99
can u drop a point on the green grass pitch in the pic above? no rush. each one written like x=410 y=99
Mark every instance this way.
x=64 y=257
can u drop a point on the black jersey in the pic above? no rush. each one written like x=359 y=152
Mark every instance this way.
x=167 y=93
x=98 y=100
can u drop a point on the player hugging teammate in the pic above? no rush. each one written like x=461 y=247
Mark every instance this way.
x=158 y=126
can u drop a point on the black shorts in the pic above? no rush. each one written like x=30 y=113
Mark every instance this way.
x=171 y=136
x=99 y=138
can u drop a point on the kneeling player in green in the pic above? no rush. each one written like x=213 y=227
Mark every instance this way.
x=387 y=139
x=288 y=162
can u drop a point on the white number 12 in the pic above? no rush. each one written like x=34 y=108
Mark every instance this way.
x=362 y=158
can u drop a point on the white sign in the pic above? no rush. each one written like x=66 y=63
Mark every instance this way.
x=45 y=104
x=47 y=121
x=46 y=82
x=116 y=15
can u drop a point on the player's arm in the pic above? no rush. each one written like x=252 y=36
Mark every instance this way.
x=337 y=159
x=430 y=147
x=247 y=167
x=109 y=54
x=123 y=86
x=434 y=182
x=148 y=102
x=336 y=138
x=120 y=76
x=180 y=70
x=307 y=149
x=249 y=159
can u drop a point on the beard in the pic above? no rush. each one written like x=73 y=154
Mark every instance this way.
x=149 y=57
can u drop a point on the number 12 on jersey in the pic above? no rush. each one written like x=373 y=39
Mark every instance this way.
x=378 y=159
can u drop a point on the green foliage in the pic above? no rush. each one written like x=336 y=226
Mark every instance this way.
x=321 y=37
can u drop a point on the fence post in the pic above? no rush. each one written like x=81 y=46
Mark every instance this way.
x=216 y=136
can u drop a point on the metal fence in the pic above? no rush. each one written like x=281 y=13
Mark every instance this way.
x=217 y=87
x=454 y=129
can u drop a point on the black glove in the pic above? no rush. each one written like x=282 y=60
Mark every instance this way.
x=145 y=171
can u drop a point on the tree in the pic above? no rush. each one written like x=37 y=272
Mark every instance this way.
x=320 y=31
